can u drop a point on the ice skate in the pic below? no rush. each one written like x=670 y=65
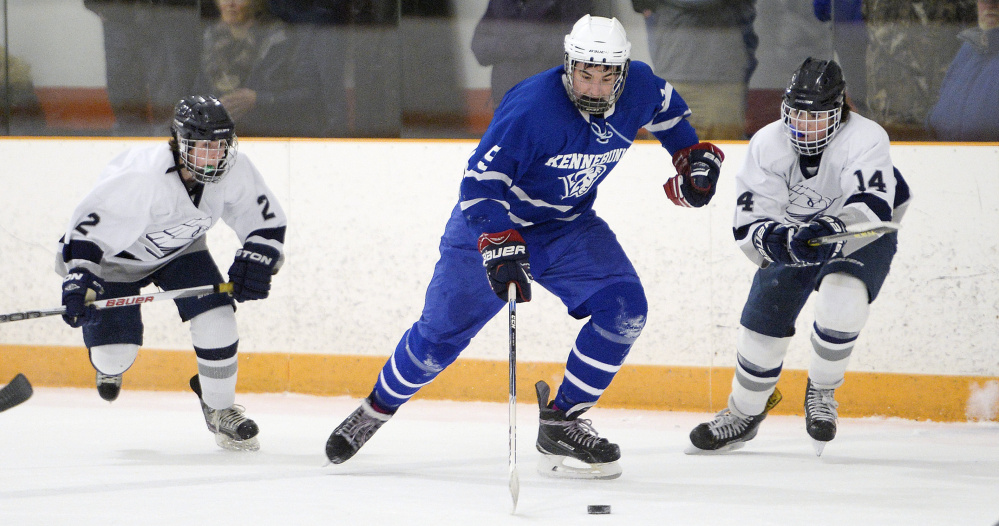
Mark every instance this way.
x=232 y=430
x=108 y=386
x=729 y=430
x=354 y=432
x=820 y=416
x=570 y=447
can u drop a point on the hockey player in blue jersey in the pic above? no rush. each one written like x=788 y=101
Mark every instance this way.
x=817 y=171
x=526 y=214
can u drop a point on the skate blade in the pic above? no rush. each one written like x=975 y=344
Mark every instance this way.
x=226 y=442
x=561 y=467
x=819 y=446
x=694 y=450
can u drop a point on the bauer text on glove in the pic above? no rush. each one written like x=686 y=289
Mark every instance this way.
x=504 y=254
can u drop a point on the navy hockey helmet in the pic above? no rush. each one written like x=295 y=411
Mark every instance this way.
x=812 y=107
x=598 y=41
x=205 y=137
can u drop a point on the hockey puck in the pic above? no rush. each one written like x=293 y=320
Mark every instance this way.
x=598 y=509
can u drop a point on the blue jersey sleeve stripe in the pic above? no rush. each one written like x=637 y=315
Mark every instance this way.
x=489 y=176
x=664 y=125
x=465 y=205
x=537 y=202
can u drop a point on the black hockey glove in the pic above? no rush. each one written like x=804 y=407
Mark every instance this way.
x=251 y=271
x=504 y=254
x=698 y=168
x=820 y=226
x=75 y=286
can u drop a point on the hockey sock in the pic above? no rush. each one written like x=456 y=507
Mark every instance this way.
x=617 y=319
x=217 y=374
x=414 y=363
x=215 y=341
x=759 y=361
x=841 y=311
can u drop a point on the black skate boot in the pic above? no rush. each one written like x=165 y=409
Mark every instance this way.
x=108 y=386
x=820 y=415
x=353 y=432
x=562 y=437
x=730 y=430
x=232 y=430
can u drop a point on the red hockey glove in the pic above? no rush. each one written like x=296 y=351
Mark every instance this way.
x=504 y=254
x=698 y=168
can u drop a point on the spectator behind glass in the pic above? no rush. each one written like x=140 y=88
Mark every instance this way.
x=149 y=47
x=260 y=71
x=849 y=43
x=707 y=50
x=911 y=42
x=18 y=90
x=968 y=109
x=519 y=38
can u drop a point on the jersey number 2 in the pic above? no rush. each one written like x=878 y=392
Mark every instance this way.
x=94 y=219
x=266 y=212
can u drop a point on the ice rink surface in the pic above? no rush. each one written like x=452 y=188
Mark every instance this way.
x=69 y=458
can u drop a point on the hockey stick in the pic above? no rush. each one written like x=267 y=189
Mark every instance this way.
x=514 y=477
x=124 y=301
x=873 y=228
x=16 y=392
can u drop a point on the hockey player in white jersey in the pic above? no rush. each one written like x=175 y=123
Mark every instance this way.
x=525 y=214
x=817 y=171
x=143 y=223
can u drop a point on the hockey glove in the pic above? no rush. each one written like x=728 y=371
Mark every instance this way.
x=504 y=254
x=251 y=271
x=772 y=240
x=75 y=286
x=820 y=226
x=698 y=168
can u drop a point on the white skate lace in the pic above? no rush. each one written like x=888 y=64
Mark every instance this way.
x=727 y=424
x=228 y=420
x=820 y=404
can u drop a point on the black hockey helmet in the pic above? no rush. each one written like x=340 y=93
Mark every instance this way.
x=812 y=107
x=818 y=85
x=205 y=119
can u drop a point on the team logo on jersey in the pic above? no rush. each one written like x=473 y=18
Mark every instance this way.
x=170 y=240
x=603 y=134
x=577 y=184
x=806 y=203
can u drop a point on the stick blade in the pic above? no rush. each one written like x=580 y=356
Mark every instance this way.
x=514 y=488
x=16 y=392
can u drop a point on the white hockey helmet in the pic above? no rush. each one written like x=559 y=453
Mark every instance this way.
x=600 y=41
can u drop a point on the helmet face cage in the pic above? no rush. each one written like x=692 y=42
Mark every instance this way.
x=810 y=131
x=208 y=161
x=812 y=107
x=205 y=137
x=601 y=43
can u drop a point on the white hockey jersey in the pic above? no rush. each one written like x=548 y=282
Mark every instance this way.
x=855 y=181
x=139 y=215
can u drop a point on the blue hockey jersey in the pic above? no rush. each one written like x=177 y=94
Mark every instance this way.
x=540 y=161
